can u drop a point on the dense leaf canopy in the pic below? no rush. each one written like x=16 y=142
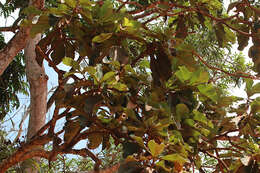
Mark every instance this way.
x=152 y=75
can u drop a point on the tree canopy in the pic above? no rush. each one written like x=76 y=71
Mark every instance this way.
x=151 y=75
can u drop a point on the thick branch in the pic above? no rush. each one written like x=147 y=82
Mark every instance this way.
x=26 y=151
x=17 y=43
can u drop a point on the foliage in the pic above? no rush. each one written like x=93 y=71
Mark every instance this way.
x=138 y=74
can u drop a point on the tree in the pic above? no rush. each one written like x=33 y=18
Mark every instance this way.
x=139 y=72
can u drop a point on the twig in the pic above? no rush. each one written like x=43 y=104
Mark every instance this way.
x=25 y=115
x=8 y=29
x=237 y=74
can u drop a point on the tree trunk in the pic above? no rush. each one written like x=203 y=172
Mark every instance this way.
x=38 y=90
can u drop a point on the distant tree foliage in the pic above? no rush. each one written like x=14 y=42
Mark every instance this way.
x=12 y=82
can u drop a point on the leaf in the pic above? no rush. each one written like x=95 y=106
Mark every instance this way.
x=108 y=75
x=198 y=116
x=199 y=76
x=183 y=74
x=91 y=70
x=162 y=165
x=72 y=128
x=155 y=148
x=102 y=37
x=94 y=139
x=255 y=89
x=190 y=122
x=181 y=111
x=85 y=3
x=232 y=5
x=71 y=3
x=58 y=53
x=249 y=84
x=138 y=139
x=209 y=91
x=220 y=34
x=70 y=62
x=175 y=158
x=241 y=38
x=120 y=86
x=41 y=25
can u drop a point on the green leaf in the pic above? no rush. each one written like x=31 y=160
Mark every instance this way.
x=190 y=122
x=71 y=3
x=108 y=76
x=182 y=109
x=70 y=62
x=31 y=10
x=183 y=74
x=41 y=25
x=120 y=86
x=209 y=91
x=139 y=140
x=85 y=3
x=155 y=148
x=249 y=84
x=175 y=158
x=199 y=76
x=198 y=116
x=162 y=165
x=91 y=70
x=255 y=89
x=102 y=37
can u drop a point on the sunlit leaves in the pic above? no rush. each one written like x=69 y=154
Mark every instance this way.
x=208 y=90
x=198 y=116
x=155 y=148
x=102 y=37
x=40 y=24
x=175 y=158
x=183 y=74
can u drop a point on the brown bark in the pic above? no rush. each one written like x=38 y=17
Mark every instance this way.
x=14 y=46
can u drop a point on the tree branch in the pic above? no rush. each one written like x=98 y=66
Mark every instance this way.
x=17 y=43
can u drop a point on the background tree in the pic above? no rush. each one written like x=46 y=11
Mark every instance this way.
x=136 y=75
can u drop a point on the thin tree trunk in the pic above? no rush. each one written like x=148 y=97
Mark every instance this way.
x=38 y=90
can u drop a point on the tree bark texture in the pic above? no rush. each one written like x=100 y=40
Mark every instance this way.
x=38 y=89
x=14 y=46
